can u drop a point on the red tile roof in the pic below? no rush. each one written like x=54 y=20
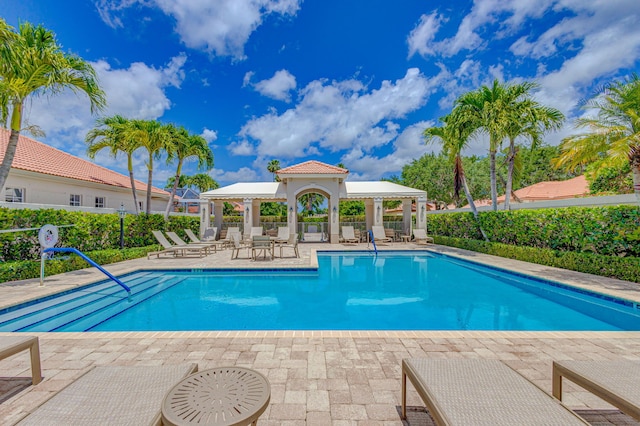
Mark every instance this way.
x=37 y=157
x=312 y=168
x=553 y=190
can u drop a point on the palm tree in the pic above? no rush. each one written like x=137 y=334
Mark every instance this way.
x=311 y=202
x=273 y=167
x=183 y=182
x=454 y=138
x=614 y=136
x=155 y=138
x=529 y=119
x=110 y=132
x=185 y=146
x=203 y=182
x=32 y=63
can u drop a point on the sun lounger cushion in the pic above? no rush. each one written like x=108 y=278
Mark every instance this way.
x=482 y=392
x=113 y=395
x=617 y=382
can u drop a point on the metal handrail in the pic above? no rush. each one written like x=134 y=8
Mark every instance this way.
x=373 y=240
x=86 y=258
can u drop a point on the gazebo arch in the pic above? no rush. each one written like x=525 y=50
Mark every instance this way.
x=314 y=176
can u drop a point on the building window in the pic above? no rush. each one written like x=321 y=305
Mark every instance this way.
x=75 y=200
x=14 y=195
x=100 y=202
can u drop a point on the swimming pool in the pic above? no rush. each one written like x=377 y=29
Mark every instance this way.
x=349 y=291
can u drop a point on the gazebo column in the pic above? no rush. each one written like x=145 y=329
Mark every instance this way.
x=378 y=211
x=292 y=216
x=248 y=216
x=255 y=208
x=406 y=217
x=421 y=213
x=368 y=213
x=334 y=220
x=205 y=217
x=218 y=216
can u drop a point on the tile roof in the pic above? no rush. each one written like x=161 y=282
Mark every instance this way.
x=38 y=157
x=553 y=190
x=312 y=168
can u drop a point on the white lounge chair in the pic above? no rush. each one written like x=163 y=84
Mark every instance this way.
x=348 y=235
x=420 y=236
x=180 y=242
x=194 y=240
x=481 y=392
x=11 y=345
x=181 y=250
x=210 y=234
x=283 y=234
x=379 y=235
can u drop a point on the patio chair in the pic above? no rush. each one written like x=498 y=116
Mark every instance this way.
x=379 y=235
x=228 y=233
x=348 y=235
x=283 y=234
x=255 y=231
x=11 y=345
x=614 y=381
x=390 y=233
x=420 y=236
x=287 y=244
x=175 y=250
x=180 y=242
x=238 y=244
x=194 y=240
x=210 y=234
x=261 y=243
x=481 y=392
x=112 y=395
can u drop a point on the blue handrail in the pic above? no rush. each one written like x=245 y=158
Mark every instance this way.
x=89 y=261
x=373 y=240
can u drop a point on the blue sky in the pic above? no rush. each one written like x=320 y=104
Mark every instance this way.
x=332 y=80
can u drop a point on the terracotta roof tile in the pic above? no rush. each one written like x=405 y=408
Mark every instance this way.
x=312 y=168
x=38 y=157
x=553 y=190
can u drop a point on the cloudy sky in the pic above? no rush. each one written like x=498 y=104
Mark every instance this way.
x=332 y=80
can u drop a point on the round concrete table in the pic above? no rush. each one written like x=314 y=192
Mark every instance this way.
x=219 y=396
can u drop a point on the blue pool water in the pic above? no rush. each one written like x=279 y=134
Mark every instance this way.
x=350 y=291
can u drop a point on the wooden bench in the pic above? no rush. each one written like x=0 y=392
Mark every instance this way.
x=11 y=345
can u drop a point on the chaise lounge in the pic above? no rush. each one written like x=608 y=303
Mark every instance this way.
x=617 y=382
x=11 y=345
x=481 y=392
x=420 y=236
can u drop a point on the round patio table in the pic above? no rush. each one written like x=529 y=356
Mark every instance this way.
x=219 y=396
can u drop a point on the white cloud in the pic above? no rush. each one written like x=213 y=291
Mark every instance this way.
x=421 y=37
x=241 y=148
x=247 y=78
x=222 y=27
x=244 y=174
x=339 y=115
x=209 y=135
x=278 y=86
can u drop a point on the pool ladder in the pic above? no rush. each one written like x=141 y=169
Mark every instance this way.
x=373 y=240
x=85 y=257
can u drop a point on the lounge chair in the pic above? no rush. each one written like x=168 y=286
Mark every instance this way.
x=379 y=235
x=11 y=345
x=420 y=236
x=112 y=395
x=182 y=250
x=348 y=235
x=180 y=242
x=228 y=233
x=617 y=382
x=210 y=234
x=481 y=392
x=194 y=240
x=286 y=244
x=283 y=234
x=261 y=243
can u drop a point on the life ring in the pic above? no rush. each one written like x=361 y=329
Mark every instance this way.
x=48 y=236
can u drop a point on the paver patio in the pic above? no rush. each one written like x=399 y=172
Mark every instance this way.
x=317 y=377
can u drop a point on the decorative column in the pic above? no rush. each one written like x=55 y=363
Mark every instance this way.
x=421 y=213
x=378 y=212
x=368 y=214
x=255 y=208
x=406 y=217
x=205 y=217
x=334 y=220
x=248 y=217
x=218 y=216
x=292 y=216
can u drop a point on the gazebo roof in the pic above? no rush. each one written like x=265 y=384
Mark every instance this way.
x=312 y=168
x=379 y=189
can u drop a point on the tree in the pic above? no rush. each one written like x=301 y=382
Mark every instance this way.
x=311 y=202
x=527 y=118
x=32 y=63
x=203 y=182
x=111 y=133
x=183 y=182
x=614 y=132
x=183 y=146
x=155 y=138
x=453 y=136
x=273 y=167
x=431 y=173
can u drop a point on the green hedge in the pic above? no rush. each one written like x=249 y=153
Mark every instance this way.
x=609 y=230
x=25 y=269
x=624 y=268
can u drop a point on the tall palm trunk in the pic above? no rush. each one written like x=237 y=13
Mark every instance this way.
x=149 y=185
x=511 y=158
x=173 y=190
x=133 y=183
x=9 y=153
x=472 y=205
x=494 y=185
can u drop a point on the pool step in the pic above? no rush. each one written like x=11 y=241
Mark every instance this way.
x=22 y=318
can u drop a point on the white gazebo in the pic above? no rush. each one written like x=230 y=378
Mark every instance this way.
x=314 y=177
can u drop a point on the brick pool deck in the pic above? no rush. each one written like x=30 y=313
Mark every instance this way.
x=317 y=377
